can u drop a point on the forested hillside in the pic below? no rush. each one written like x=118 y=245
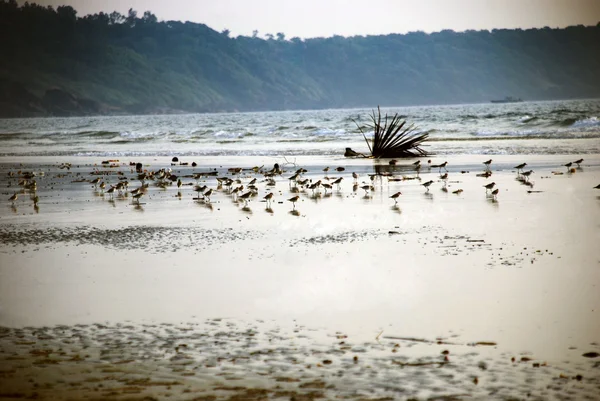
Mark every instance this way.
x=56 y=63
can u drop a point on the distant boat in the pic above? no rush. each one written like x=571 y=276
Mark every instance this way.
x=508 y=99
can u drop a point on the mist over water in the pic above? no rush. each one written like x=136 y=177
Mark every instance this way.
x=565 y=127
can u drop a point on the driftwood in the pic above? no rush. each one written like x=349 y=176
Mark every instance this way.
x=392 y=138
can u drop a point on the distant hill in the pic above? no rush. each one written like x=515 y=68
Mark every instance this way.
x=55 y=63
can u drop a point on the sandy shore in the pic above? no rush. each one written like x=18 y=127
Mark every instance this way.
x=435 y=296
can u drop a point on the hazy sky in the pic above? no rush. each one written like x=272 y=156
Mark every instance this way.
x=311 y=18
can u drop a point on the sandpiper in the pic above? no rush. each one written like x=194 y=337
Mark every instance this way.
x=326 y=186
x=395 y=197
x=526 y=174
x=111 y=191
x=489 y=186
x=13 y=198
x=366 y=188
x=268 y=198
x=207 y=194
x=355 y=176
x=427 y=184
x=568 y=165
x=495 y=193
x=294 y=200
x=95 y=181
x=340 y=169
x=245 y=196
x=337 y=182
x=138 y=196
x=487 y=164
x=440 y=166
x=417 y=163
x=458 y=191
x=578 y=162
x=520 y=166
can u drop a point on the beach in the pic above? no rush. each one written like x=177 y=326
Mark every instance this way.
x=344 y=294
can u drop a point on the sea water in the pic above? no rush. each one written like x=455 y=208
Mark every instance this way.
x=551 y=127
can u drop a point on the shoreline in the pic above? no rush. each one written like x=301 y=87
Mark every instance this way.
x=465 y=267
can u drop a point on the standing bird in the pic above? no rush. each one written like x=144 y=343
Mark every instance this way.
x=427 y=184
x=520 y=167
x=487 y=164
x=578 y=162
x=526 y=174
x=13 y=198
x=489 y=186
x=207 y=194
x=268 y=198
x=395 y=197
x=417 y=163
x=367 y=188
x=355 y=176
x=294 y=200
x=245 y=197
x=138 y=196
x=440 y=166
x=340 y=169
x=495 y=193
x=337 y=182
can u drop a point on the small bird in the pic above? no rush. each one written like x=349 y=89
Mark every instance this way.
x=417 y=163
x=326 y=170
x=444 y=177
x=355 y=176
x=395 y=197
x=268 y=198
x=102 y=186
x=13 y=198
x=568 y=165
x=597 y=186
x=520 y=166
x=457 y=192
x=207 y=194
x=578 y=162
x=427 y=184
x=393 y=162
x=294 y=200
x=138 y=196
x=367 y=188
x=441 y=166
x=495 y=193
x=489 y=186
x=111 y=191
x=326 y=186
x=35 y=200
x=179 y=183
x=95 y=181
x=526 y=174
x=487 y=164
x=337 y=182
x=245 y=196
x=340 y=169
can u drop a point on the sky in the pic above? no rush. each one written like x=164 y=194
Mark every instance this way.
x=318 y=18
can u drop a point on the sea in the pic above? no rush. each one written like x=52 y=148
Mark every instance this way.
x=548 y=127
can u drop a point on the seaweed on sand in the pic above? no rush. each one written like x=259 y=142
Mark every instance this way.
x=392 y=138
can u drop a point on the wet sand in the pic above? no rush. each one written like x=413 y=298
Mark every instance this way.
x=339 y=276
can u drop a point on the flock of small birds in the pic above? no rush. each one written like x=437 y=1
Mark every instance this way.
x=234 y=183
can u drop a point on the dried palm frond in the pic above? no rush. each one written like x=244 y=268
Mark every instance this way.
x=392 y=138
